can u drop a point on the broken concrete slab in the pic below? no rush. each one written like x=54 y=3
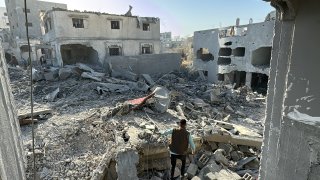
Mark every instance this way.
x=148 y=79
x=37 y=75
x=121 y=73
x=127 y=161
x=53 y=95
x=36 y=112
x=90 y=76
x=219 y=156
x=192 y=170
x=51 y=74
x=65 y=73
x=234 y=139
x=84 y=67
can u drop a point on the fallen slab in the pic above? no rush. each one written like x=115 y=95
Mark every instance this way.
x=35 y=113
x=90 y=76
x=234 y=139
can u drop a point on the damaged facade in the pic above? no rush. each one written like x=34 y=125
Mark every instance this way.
x=71 y=36
x=18 y=44
x=236 y=54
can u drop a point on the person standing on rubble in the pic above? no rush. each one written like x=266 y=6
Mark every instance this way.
x=180 y=141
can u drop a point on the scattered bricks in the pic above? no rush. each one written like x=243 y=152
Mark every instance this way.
x=203 y=160
x=247 y=177
x=226 y=147
x=192 y=170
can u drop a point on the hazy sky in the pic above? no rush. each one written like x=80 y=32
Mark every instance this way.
x=182 y=17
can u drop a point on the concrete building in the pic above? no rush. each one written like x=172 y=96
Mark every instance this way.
x=235 y=54
x=4 y=21
x=89 y=37
x=16 y=16
x=291 y=147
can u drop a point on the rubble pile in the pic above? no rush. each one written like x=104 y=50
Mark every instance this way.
x=75 y=129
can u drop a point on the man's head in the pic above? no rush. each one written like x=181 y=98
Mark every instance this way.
x=183 y=123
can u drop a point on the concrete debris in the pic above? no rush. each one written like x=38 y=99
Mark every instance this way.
x=84 y=67
x=65 y=73
x=53 y=95
x=51 y=74
x=148 y=79
x=37 y=75
x=124 y=74
x=109 y=87
x=218 y=155
x=92 y=128
x=90 y=76
x=192 y=170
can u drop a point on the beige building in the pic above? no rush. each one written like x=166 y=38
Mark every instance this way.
x=90 y=37
x=16 y=16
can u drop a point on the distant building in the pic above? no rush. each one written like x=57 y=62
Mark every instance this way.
x=236 y=54
x=72 y=36
x=4 y=21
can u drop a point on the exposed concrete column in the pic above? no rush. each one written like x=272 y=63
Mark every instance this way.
x=279 y=64
x=248 y=79
x=11 y=159
x=291 y=144
x=34 y=53
x=58 y=61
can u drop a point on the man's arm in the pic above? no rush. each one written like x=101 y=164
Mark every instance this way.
x=193 y=147
x=167 y=132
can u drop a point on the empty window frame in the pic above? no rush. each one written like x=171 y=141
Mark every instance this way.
x=225 y=52
x=146 y=27
x=146 y=49
x=114 y=51
x=239 y=51
x=5 y=14
x=47 y=26
x=115 y=24
x=77 y=23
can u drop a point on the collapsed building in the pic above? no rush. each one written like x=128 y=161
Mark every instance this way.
x=238 y=54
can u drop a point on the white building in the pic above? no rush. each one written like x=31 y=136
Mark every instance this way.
x=236 y=54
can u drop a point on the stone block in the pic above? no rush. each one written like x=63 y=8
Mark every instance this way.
x=65 y=73
x=192 y=170
x=210 y=176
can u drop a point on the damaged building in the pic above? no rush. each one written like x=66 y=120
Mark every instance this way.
x=236 y=54
x=18 y=39
x=71 y=37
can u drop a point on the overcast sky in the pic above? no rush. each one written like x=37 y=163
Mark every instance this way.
x=182 y=17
